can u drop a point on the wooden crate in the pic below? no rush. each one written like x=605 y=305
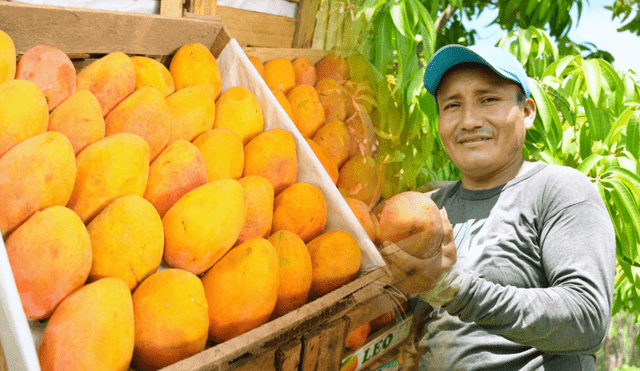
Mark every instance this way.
x=310 y=337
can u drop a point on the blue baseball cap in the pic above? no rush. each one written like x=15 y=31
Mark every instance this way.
x=499 y=60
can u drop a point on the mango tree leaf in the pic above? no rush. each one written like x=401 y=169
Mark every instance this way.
x=629 y=212
x=415 y=84
x=524 y=43
x=588 y=163
x=398 y=13
x=585 y=140
x=382 y=42
x=551 y=126
x=592 y=77
x=619 y=126
x=629 y=178
x=633 y=135
x=558 y=67
x=614 y=83
x=598 y=122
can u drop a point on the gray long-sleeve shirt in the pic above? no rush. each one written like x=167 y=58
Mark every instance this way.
x=538 y=262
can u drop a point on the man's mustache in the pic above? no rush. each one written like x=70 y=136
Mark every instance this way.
x=481 y=131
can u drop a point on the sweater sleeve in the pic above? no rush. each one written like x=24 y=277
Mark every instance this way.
x=572 y=314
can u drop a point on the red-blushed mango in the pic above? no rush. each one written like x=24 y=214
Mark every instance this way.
x=272 y=154
x=23 y=113
x=171 y=319
x=129 y=221
x=295 y=272
x=144 y=113
x=152 y=73
x=336 y=258
x=7 y=58
x=193 y=64
x=50 y=256
x=361 y=212
x=239 y=109
x=242 y=289
x=203 y=225
x=356 y=337
x=111 y=79
x=179 y=169
x=80 y=119
x=332 y=66
x=413 y=216
x=193 y=112
x=222 y=152
x=362 y=134
x=361 y=95
x=307 y=109
x=361 y=178
x=92 y=329
x=257 y=63
x=284 y=102
x=51 y=69
x=259 y=194
x=302 y=209
x=108 y=169
x=304 y=70
x=334 y=138
x=34 y=175
x=326 y=160
x=279 y=73
x=334 y=99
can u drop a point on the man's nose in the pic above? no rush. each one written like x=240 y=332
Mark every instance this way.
x=470 y=118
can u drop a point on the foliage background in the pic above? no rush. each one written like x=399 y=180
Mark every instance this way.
x=588 y=113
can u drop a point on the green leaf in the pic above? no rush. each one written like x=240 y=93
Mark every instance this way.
x=619 y=126
x=628 y=208
x=592 y=77
x=558 y=67
x=629 y=178
x=382 y=42
x=416 y=84
x=598 y=123
x=585 y=140
x=614 y=82
x=548 y=115
x=633 y=135
x=588 y=163
x=524 y=43
x=398 y=13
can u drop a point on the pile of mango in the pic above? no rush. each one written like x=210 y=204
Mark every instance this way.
x=148 y=215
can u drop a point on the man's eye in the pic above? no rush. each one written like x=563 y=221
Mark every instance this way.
x=450 y=105
x=490 y=99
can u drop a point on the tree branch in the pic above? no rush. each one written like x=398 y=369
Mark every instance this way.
x=444 y=17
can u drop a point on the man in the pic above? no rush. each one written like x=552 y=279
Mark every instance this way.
x=525 y=278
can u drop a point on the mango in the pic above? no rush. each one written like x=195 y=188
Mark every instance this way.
x=52 y=70
x=361 y=178
x=171 y=319
x=257 y=63
x=111 y=79
x=144 y=113
x=151 y=73
x=362 y=134
x=179 y=169
x=279 y=73
x=335 y=139
x=259 y=194
x=193 y=112
x=332 y=66
x=80 y=119
x=284 y=102
x=295 y=272
x=307 y=109
x=92 y=329
x=50 y=256
x=242 y=289
x=222 y=152
x=302 y=209
x=7 y=58
x=361 y=212
x=193 y=64
x=273 y=155
x=34 y=175
x=108 y=169
x=239 y=109
x=129 y=221
x=334 y=99
x=203 y=225
x=23 y=113
x=326 y=160
x=304 y=71
x=357 y=337
x=336 y=259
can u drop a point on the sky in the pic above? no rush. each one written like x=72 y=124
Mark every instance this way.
x=595 y=26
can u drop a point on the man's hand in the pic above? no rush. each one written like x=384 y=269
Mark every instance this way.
x=413 y=275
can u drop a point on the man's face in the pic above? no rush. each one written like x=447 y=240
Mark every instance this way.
x=481 y=124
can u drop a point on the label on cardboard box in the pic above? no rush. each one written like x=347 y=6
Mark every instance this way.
x=377 y=346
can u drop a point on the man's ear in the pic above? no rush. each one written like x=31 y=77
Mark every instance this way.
x=530 y=109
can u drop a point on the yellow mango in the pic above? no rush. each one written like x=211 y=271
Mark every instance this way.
x=193 y=64
x=259 y=193
x=239 y=109
x=80 y=119
x=223 y=153
x=193 y=112
x=92 y=329
x=273 y=155
x=203 y=225
x=34 y=175
x=7 y=58
x=108 y=169
x=23 y=113
x=150 y=72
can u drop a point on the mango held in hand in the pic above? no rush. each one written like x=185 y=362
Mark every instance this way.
x=110 y=168
x=50 y=256
x=92 y=329
x=126 y=240
x=171 y=319
x=36 y=174
x=242 y=289
x=203 y=225
x=413 y=217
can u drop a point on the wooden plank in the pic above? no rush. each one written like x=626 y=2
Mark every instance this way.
x=331 y=344
x=3 y=361
x=257 y=29
x=171 y=8
x=90 y=31
x=305 y=23
x=386 y=300
x=320 y=29
x=288 y=356
x=266 y=54
x=265 y=361
x=205 y=7
x=310 y=350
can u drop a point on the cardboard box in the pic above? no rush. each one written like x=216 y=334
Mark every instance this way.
x=86 y=35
